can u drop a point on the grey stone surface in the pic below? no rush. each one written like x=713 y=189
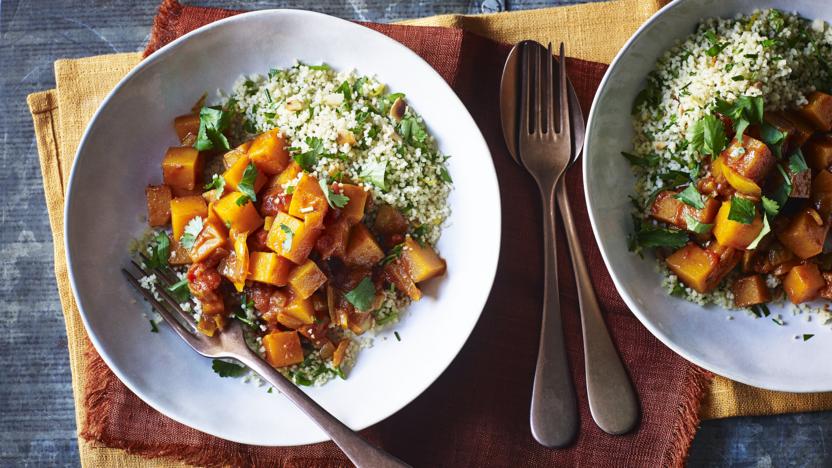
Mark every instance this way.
x=37 y=424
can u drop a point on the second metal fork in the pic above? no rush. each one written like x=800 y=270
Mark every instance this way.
x=544 y=144
x=230 y=343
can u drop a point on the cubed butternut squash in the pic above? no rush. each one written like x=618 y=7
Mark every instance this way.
x=185 y=124
x=818 y=111
x=733 y=233
x=305 y=279
x=183 y=210
x=362 y=248
x=286 y=176
x=822 y=194
x=182 y=168
x=422 y=261
x=805 y=234
x=389 y=221
x=235 y=266
x=301 y=309
x=268 y=152
x=178 y=255
x=750 y=290
x=750 y=158
x=818 y=152
x=803 y=282
x=353 y=212
x=668 y=209
x=269 y=267
x=234 y=174
x=773 y=257
x=158 y=204
x=209 y=240
x=694 y=266
x=291 y=237
x=231 y=157
x=308 y=202
x=243 y=218
x=333 y=241
x=397 y=274
x=283 y=348
x=803 y=130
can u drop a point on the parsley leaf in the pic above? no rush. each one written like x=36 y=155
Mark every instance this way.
x=763 y=232
x=691 y=196
x=770 y=206
x=217 y=183
x=374 y=172
x=179 y=291
x=394 y=253
x=808 y=336
x=648 y=161
x=307 y=160
x=773 y=137
x=212 y=122
x=192 y=230
x=159 y=250
x=412 y=131
x=227 y=369
x=716 y=46
x=744 y=111
x=444 y=175
x=287 y=242
x=363 y=295
x=797 y=163
x=246 y=185
x=335 y=200
x=707 y=135
x=696 y=226
x=648 y=235
x=742 y=210
x=346 y=90
x=784 y=191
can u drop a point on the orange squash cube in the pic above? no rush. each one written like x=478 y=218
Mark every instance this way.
x=283 y=348
x=182 y=168
x=291 y=237
x=235 y=266
x=422 y=261
x=803 y=282
x=268 y=267
x=668 y=209
x=805 y=234
x=818 y=111
x=230 y=157
x=268 y=152
x=158 y=204
x=301 y=309
x=353 y=212
x=234 y=175
x=750 y=158
x=750 y=290
x=362 y=249
x=694 y=266
x=185 y=124
x=390 y=221
x=211 y=238
x=242 y=218
x=183 y=210
x=286 y=176
x=735 y=234
x=803 y=130
x=305 y=279
x=308 y=201
x=818 y=152
x=333 y=241
x=822 y=194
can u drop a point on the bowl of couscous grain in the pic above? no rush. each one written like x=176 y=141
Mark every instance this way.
x=699 y=87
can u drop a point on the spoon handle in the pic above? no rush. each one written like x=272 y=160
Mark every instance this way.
x=612 y=400
x=554 y=411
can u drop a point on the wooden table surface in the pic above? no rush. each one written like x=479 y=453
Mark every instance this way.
x=37 y=422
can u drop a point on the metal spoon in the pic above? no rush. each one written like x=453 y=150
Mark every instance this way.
x=612 y=399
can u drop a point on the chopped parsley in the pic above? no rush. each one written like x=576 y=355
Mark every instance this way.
x=763 y=232
x=374 y=172
x=246 y=185
x=179 y=291
x=335 y=200
x=399 y=338
x=227 y=369
x=808 y=336
x=716 y=46
x=770 y=206
x=308 y=159
x=742 y=210
x=363 y=295
x=707 y=135
x=650 y=160
x=773 y=138
x=287 y=242
x=797 y=163
x=743 y=112
x=155 y=329
x=412 y=131
x=696 y=226
x=778 y=321
x=648 y=235
x=159 y=250
x=760 y=310
x=691 y=196
x=784 y=191
x=394 y=253
x=212 y=122
x=217 y=183
x=346 y=90
x=192 y=230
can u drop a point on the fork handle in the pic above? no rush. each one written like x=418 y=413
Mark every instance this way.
x=554 y=412
x=358 y=450
x=612 y=400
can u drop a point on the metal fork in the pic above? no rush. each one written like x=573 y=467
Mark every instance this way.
x=231 y=344
x=544 y=144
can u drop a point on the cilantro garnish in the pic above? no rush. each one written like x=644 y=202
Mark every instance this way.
x=784 y=191
x=412 y=131
x=159 y=250
x=773 y=137
x=346 y=90
x=217 y=183
x=363 y=295
x=696 y=226
x=691 y=196
x=180 y=291
x=335 y=200
x=394 y=253
x=227 y=369
x=307 y=160
x=246 y=185
x=742 y=210
x=444 y=175
x=212 y=122
x=770 y=206
x=744 y=111
x=763 y=232
x=797 y=163
x=707 y=135
x=648 y=235
x=374 y=172
x=716 y=46
x=287 y=242
x=192 y=230
x=650 y=160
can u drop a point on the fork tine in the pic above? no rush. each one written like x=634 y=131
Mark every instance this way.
x=166 y=295
x=551 y=124
x=192 y=340
x=538 y=90
x=525 y=91
x=564 y=97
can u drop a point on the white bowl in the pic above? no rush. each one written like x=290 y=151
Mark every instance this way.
x=121 y=152
x=753 y=351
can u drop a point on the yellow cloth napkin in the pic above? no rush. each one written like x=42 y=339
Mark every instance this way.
x=591 y=32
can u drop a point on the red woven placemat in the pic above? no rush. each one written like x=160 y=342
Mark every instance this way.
x=476 y=414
